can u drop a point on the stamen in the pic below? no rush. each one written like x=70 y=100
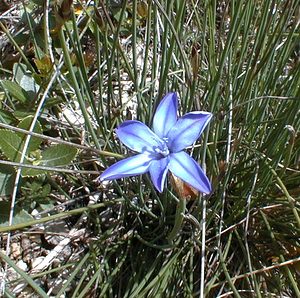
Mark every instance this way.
x=163 y=149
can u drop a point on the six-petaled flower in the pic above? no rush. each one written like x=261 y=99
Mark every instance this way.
x=161 y=149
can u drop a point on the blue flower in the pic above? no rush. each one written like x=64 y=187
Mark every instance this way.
x=161 y=149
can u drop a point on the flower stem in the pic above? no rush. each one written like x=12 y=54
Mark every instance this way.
x=180 y=210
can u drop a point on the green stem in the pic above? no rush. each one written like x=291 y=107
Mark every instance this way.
x=287 y=195
x=180 y=210
x=77 y=89
x=18 y=48
x=60 y=215
x=25 y=276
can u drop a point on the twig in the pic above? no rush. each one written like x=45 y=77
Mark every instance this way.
x=59 y=141
x=54 y=169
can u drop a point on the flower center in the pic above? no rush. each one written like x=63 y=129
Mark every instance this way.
x=163 y=148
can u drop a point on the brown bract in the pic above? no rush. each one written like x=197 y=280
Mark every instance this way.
x=184 y=190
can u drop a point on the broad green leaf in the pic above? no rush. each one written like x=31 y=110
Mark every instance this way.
x=10 y=144
x=34 y=141
x=46 y=204
x=20 y=114
x=28 y=84
x=38 y=2
x=6 y=180
x=29 y=172
x=6 y=117
x=53 y=101
x=15 y=91
x=33 y=159
x=58 y=155
x=20 y=215
x=19 y=70
x=25 y=79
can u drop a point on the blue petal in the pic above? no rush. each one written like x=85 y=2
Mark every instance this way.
x=165 y=116
x=158 y=171
x=187 y=130
x=135 y=165
x=138 y=137
x=186 y=168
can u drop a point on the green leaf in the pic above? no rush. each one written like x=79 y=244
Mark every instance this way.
x=29 y=172
x=38 y=2
x=28 y=84
x=25 y=79
x=53 y=101
x=6 y=180
x=6 y=117
x=10 y=144
x=15 y=91
x=34 y=141
x=20 y=215
x=20 y=114
x=58 y=155
x=19 y=70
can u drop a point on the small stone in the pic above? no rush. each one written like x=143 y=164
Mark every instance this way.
x=22 y=265
x=37 y=261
